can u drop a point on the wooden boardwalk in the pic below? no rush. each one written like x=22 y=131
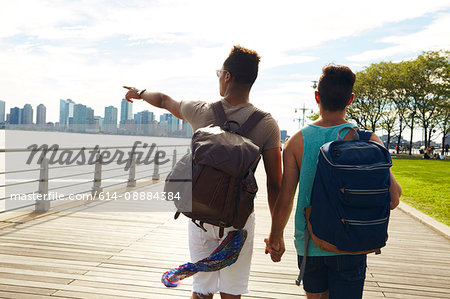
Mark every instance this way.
x=82 y=252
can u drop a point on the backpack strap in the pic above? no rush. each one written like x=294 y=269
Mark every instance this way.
x=305 y=253
x=221 y=117
x=357 y=134
x=220 y=114
x=252 y=121
x=364 y=135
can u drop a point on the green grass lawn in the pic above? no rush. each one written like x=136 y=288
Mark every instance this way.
x=425 y=185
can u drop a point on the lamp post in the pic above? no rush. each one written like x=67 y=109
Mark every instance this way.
x=302 y=119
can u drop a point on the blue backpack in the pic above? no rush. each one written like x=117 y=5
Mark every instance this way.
x=350 y=199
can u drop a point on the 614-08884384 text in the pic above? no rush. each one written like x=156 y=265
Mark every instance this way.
x=134 y=195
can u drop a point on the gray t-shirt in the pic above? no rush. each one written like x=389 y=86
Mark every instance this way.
x=265 y=133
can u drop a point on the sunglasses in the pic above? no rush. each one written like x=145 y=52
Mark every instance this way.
x=219 y=72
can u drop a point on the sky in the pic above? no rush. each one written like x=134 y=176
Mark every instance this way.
x=87 y=50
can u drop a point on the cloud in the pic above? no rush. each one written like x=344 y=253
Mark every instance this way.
x=86 y=50
x=432 y=37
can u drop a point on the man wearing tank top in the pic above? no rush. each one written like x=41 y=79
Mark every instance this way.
x=236 y=77
x=327 y=274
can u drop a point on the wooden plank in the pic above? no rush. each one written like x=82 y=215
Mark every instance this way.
x=84 y=295
x=74 y=288
x=99 y=254
x=184 y=290
x=27 y=290
x=28 y=278
x=6 y=267
x=76 y=264
x=53 y=254
x=18 y=295
x=414 y=290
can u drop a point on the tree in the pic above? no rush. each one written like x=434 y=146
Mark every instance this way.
x=444 y=119
x=395 y=86
x=393 y=96
x=414 y=85
x=442 y=89
x=405 y=94
x=369 y=104
x=430 y=72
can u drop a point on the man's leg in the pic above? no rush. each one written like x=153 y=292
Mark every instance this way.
x=201 y=296
x=229 y=296
x=233 y=280
x=315 y=279
x=346 y=275
x=201 y=244
x=323 y=295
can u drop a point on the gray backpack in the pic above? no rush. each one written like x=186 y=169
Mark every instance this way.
x=218 y=187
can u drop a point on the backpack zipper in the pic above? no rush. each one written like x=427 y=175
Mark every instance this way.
x=358 y=147
x=363 y=192
x=348 y=222
x=356 y=167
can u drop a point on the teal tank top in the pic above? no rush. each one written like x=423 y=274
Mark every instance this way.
x=313 y=138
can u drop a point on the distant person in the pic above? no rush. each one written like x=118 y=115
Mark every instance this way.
x=446 y=149
x=236 y=77
x=327 y=274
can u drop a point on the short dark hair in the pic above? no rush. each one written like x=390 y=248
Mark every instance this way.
x=242 y=64
x=335 y=86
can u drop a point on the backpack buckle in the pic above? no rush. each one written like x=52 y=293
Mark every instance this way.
x=222 y=224
x=199 y=225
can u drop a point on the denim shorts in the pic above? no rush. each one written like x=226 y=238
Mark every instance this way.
x=342 y=275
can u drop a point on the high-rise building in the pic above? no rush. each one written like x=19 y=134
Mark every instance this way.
x=2 y=111
x=173 y=123
x=137 y=117
x=126 y=111
x=147 y=117
x=110 y=120
x=98 y=119
x=15 y=116
x=186 y=128
x=144 y=121
x=90 y=116
x=27 y=114
x=65 y=112
x=41 y=114
x=79 y=114
x=163 y=118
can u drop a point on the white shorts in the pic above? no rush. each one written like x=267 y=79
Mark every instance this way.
x=232 y=279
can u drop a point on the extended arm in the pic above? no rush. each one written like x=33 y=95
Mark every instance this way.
x=156 y=99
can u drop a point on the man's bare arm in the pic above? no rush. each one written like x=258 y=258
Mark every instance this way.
x=272 y=165
x=292 y=163
x=156 y=99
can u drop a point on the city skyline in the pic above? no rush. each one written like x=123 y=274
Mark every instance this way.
x=71 y=106
x=77 y=117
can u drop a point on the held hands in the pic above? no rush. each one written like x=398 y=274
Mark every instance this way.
x=275 y=246
x=132 y=93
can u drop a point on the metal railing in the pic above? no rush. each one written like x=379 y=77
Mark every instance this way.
x=98 y=180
